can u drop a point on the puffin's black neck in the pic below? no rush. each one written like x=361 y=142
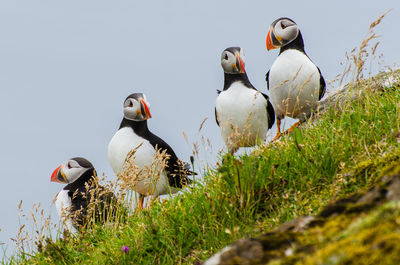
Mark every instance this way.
x=232 y=78
x=139 y=127
x=297 y=44
x=80 y=182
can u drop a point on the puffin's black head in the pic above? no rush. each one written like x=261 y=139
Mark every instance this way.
x=72 y=170
x=281 y=32
x=232 y=60
x=136 y=107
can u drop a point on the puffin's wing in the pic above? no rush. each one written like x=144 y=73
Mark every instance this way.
x=267 y=79
x=270 y=111
x=216 y=116
x=322 y=85
x=176 y=170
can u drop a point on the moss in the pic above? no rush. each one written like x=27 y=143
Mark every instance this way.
x=377 y=167
x=372 y=238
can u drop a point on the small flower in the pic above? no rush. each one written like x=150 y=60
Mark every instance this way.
x=125 y=249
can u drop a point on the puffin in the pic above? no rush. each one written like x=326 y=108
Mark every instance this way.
x=134 y=134
x=242 y=113
x=294 y=82
x=82 y=199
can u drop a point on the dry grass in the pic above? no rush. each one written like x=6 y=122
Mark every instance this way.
x=132 y=175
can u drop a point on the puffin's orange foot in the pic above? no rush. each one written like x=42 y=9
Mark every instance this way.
x=278 y=126
x=291 y=129
x=277 y=136
x=139 y=207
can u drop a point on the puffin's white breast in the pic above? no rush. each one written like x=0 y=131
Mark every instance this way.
x=119 y=147
x=242 y=115
x=63 y=205
x=122 y=143
x=293 y=84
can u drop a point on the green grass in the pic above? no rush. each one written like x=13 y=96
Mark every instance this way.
x=246 y=196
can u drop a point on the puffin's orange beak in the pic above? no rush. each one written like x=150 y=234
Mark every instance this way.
x=239 y=63
x=146 y=109
x=58 y=176
x=269 y=42
x=242 y=71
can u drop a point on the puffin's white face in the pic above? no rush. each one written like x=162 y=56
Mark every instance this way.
x=232 y=60
x=71 y=170
x=281 y=32
x=136 y=107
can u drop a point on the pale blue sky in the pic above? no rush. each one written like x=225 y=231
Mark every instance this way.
x=66 y=67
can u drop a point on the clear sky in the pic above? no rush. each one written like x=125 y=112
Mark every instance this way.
x=67 y=66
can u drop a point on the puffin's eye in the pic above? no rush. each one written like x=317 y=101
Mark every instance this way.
x=226 y=56
x=130 y=104
x=69 y=165
x=283 y=25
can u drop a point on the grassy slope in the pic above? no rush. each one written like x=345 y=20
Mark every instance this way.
x=297 y=175
x=362 y=228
